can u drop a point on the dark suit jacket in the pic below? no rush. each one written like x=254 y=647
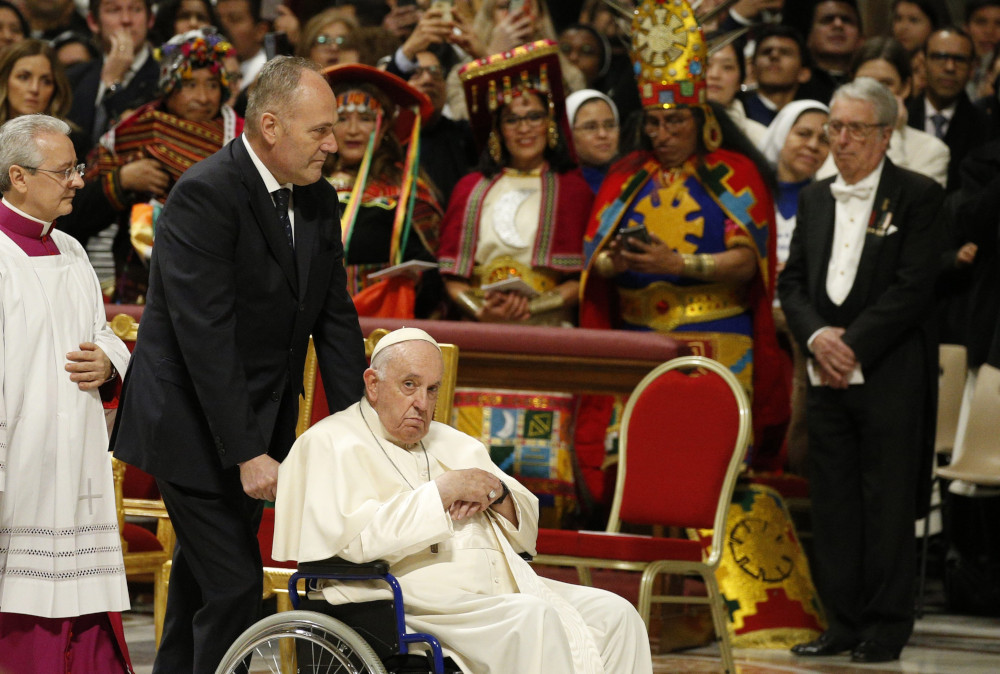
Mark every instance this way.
x=86 y=79
x=217 y=369
x=895 y=275
x=969 y=128
x=894 y=282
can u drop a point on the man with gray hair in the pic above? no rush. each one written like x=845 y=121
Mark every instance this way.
x=857 y=291
x=62 y=579
x=381 y=480
x=248 y=263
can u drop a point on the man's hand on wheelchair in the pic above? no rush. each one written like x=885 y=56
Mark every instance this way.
x=259 y=477
x=467 y=492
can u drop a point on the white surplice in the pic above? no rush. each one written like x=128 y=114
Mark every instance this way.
x=60 y=553
x=345 y=490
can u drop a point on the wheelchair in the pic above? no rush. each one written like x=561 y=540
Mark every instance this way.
x=361 y=638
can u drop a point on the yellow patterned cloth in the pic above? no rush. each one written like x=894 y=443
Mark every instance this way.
x=764 y=575
x=529 y=435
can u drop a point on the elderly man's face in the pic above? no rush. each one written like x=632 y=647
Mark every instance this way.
x=48 y=194
x=405 y=398
x=857 y=140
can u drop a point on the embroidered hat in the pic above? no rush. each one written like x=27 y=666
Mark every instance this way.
x=408 y=101
x=494 y=81
x=187 y=52
x=403 y=335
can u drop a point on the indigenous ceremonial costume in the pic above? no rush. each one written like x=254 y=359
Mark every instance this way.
x=61 y=568
x=712 y=203
x=151 y=132
x=384 y=221
x=345 y=489
x=526 y=225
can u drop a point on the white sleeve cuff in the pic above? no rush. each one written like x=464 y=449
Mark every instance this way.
x=813 y=336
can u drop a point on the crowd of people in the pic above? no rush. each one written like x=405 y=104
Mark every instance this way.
x=783 y=191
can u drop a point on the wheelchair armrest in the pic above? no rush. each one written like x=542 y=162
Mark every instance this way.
x=341 y=567
x=526 y=556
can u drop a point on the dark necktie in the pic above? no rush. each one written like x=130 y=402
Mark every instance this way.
x=939 y=121
x=281 y=198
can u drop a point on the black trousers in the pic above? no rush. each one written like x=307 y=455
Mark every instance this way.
x=864 y=464
x=216 y=578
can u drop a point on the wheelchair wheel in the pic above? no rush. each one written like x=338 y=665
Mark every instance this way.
x=303 y=642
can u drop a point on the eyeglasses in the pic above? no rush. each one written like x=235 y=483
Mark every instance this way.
x=942 y=57
x=829 y=19
x=584 y=49
x=671 y=123
x=67 y=174
x=533 y=119
x=608 y=125
x=436 y=72
x=855 y=130
x=324 y=40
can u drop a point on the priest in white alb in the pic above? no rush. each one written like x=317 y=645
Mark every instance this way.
x=381 y=480
x=62 y=579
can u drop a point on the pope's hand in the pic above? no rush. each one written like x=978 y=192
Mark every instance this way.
x=259 y=477
x=467 y=492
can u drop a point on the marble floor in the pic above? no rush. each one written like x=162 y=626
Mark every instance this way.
x=941 y=644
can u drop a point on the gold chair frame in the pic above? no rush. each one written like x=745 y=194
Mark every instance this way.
x=153 y=564
x=651 y=570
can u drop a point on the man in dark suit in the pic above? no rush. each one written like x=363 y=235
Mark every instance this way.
x=944 y=109
x=239 y=279
x=857 y=292
x=125 y=76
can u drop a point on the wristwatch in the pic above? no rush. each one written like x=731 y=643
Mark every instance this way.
x=503 y=496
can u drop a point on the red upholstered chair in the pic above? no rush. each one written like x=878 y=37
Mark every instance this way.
x=684 y=433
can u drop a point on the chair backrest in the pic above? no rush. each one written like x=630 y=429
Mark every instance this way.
x=312 y=405
x=980 y=452
x=951 y=386
x=684 y=434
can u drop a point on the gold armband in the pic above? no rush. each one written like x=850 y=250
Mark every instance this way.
x=702 y=265
x=469 y=303
x=548 y=301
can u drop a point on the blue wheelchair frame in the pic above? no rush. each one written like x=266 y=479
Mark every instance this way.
x=338 y=569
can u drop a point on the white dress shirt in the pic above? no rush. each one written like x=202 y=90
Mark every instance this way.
x=271 y=183
x=930 y=111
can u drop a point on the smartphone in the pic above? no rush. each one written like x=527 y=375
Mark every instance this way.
x=444 y=6
x=635 y=233
x=516 y=6
x=277 y=44
x=269 y=9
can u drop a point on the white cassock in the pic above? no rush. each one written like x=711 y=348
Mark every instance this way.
x=342 y=492
x=60 y=554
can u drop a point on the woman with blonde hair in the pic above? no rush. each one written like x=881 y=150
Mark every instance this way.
x=330 y=38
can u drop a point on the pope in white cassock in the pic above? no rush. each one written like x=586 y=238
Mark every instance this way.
x=61 y=569
x=381 y=480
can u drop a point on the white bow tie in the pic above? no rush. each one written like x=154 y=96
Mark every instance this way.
x=844 y=193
